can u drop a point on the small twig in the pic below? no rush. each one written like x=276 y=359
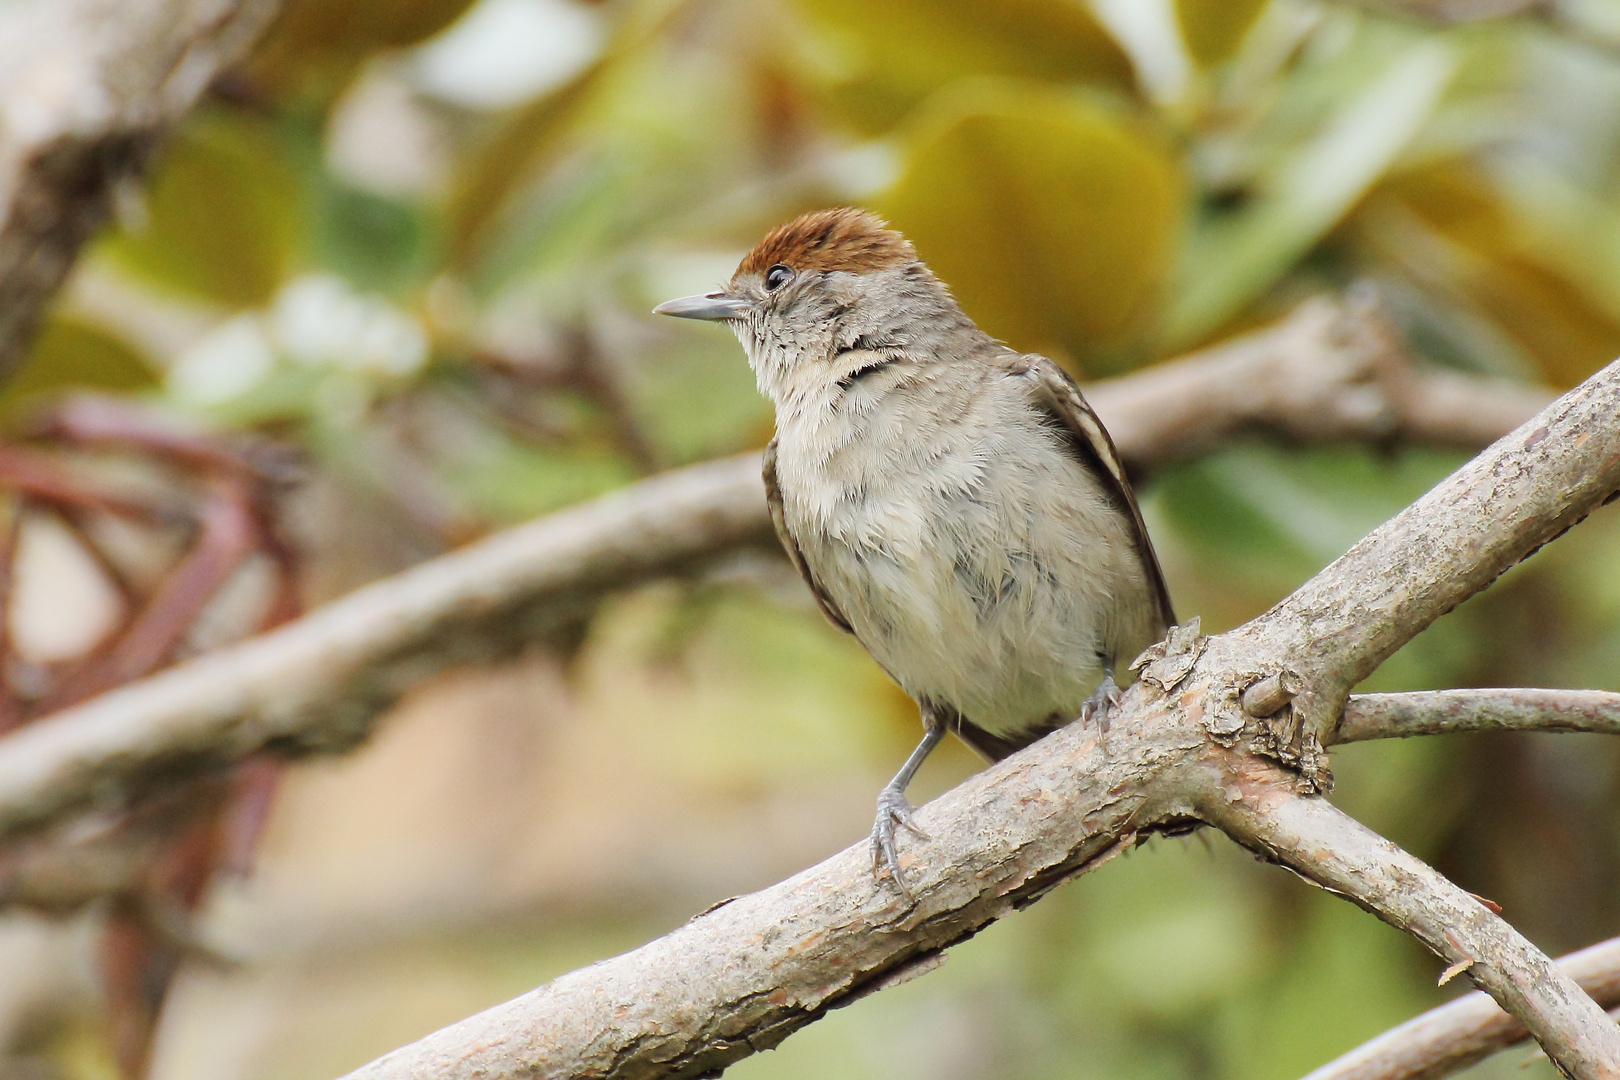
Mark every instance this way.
x=11 y=709
x=1443 y=712
x=1454 y=1036
x=225 y=538
x=94 y=421
x=1271 y=693
x=79 y=522
x=42 y=476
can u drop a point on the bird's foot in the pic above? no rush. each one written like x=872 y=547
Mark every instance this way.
x=1103 y=700
x=892 y=812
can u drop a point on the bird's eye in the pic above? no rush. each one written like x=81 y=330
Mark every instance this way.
x=777 y=276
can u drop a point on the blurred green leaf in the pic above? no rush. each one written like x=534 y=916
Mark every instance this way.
x=1369 y=971
x=1213 y=28
x=222 y=215
x=316 y=46
x=522 y=144
x=1233 y=258
x=1450 y=223
x=893 y=53
x=1052 y=221
x=377 y=243
x=68 y=354
x=508 y=482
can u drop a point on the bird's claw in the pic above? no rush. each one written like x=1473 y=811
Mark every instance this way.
x=892 y=811
x=1105 y=698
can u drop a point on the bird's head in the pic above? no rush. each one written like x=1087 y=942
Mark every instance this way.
x=823 y=283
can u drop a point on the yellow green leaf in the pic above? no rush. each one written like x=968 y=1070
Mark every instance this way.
x=1233 y=259
x=1052 y=221
x=221 y=215
x=1213 y=28
x=1455 y=227
x=316 y=45
x=890 y=54
x=69 y=353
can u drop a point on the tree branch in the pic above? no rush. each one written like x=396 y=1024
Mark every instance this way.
x=316 y=683
x=1323 y=844
x=1527 y=489
x=1444 y=712
x=87 y=87
x=746 y=974
x=1333 y=371
x=1454 y=1036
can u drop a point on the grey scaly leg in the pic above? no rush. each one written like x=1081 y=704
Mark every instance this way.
x=1098 y=705
x=892 y=808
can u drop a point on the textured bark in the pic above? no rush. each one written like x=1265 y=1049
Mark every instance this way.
x=1454 y=1036
x=87 y=87
x=1444 y=712
x=1526 y=489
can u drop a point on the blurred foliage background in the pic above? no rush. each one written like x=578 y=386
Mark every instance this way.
x=419 y=240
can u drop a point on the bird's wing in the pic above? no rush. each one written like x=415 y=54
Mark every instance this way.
x=1056 y=393
x=773 y=499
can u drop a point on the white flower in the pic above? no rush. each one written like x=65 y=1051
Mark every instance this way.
x=319 y=321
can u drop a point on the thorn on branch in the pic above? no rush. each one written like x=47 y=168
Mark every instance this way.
x=1454 y=970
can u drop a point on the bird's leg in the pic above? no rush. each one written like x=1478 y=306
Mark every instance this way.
x=1102 y=699
x=892 y=808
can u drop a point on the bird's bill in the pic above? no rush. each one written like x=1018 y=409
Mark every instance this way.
x=710 y=307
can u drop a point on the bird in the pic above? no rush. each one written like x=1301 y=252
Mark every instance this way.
x=954 y=504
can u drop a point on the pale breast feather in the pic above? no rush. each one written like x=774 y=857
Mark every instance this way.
x=773 y=500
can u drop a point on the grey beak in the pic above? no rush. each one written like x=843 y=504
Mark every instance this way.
x=710 y=307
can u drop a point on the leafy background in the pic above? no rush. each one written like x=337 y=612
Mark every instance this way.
x=420 y=241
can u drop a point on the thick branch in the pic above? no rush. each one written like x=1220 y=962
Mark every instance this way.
x=319 y=681
x=1315 y=839
x=1330 y=372
x=86 y=89
x=1527 y=489
x=1454 y=1036
x=1444 y=712
x=746 y=974
x=316 y=683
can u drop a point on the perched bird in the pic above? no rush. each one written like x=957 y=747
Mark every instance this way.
x=954 y=504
